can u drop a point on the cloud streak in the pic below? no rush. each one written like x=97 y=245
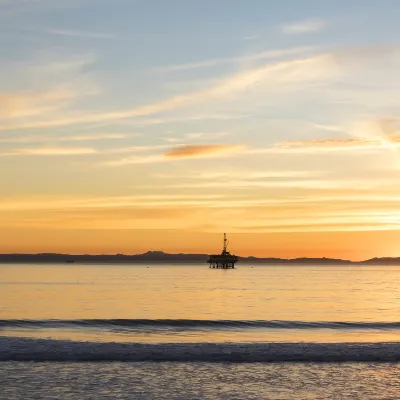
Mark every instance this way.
x=368 y=135
x=291 y=71
x=255 y=214
x=318 y=146
x=76 y=34
x=60 y=82
x=269 y=54
x=190 y=151
x=50 y=151
x=302 y=27
x=19 y=105
x=179 y=152
x=76 y=138
x=326 y=203
x=330 y=144
x=321 y=146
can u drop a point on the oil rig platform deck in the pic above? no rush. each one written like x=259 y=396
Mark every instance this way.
x=225 y=260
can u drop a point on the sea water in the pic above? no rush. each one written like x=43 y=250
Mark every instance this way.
x=188 y=332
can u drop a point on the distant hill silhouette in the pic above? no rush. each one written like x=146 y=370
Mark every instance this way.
x=164 y=258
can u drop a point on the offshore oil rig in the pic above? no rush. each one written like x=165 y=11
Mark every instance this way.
x=225 y=260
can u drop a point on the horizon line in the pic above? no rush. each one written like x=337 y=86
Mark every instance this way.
x=160 y=252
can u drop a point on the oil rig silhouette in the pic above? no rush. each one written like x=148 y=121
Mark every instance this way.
x=225 y=260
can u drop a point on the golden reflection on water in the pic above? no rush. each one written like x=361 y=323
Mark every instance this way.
x=196 y=292
x=258 y=336
x=314 y=293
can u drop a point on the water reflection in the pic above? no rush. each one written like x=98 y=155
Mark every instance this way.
x=194 y=292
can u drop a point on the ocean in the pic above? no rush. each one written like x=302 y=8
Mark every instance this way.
x=76 y=331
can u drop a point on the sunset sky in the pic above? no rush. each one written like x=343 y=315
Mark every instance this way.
x=136 y=125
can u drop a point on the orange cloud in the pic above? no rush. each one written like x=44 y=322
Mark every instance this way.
x=201 y=150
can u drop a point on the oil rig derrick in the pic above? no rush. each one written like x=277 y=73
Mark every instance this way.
x=225 y=260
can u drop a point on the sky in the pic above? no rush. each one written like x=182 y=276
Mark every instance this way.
x=136 y=125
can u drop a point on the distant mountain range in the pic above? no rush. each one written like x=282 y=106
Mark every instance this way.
x=160 y=257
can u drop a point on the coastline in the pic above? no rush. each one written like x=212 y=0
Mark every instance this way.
x=158 y=257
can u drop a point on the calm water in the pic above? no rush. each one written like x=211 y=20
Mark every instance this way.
x=264 y=328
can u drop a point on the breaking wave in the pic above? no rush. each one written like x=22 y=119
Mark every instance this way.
x=23 y=349
x=189 y=324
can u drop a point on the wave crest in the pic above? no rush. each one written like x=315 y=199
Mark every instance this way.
x=189 y=324
x=22 y=349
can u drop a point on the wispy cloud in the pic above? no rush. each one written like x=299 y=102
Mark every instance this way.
x=301 y=27
x=329 y=145
x=203 y=135
x=57 y=84
x=50 y=151
x=146 y=159
x=308 y=213
x=240 y=174
x=335 y=204
x=329 y=128
x=193 y=136
x=15 y=7
x=18 y=105
x=62 y=67
x=183 y=119
x=72 y=33
x=368 y=135
x=110 y=203
x=384 y=132
x=285 y=77
x=179 y=152
x=269 y=54
x=141 y=148
x=291 y=71
x=323 y=225
x=278 y=183
x=202 y=150
x=78 y=34
x=78 y=138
